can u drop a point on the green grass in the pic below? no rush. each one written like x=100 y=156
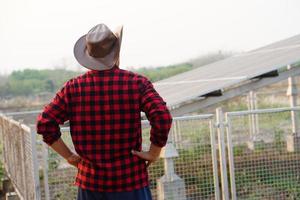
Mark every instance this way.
x=268 y=172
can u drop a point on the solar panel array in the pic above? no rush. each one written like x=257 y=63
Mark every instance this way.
x=193 y=84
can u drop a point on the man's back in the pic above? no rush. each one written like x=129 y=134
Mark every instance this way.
x=103 y=108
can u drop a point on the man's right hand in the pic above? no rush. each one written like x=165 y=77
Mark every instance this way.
x=74 y=159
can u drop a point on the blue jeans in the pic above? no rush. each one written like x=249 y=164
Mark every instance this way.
x=140 y=194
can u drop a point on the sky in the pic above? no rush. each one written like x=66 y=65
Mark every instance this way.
x=40 y=34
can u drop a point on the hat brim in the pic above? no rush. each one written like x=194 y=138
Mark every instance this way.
x=82 y=56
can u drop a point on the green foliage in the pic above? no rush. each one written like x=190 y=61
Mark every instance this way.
x=279 y=139
x=159 y=73
x=30 y=81
x=53 y=160
x=28 y=74
x=240 y=150
x=198 y=182
x=265 y=172
x=66 y=193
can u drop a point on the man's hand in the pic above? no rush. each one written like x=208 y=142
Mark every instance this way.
x=74 y=159
x=62 y=149
x=145 y=155
x=150 y=156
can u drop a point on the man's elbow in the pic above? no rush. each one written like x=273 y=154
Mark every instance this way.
x=169 y=118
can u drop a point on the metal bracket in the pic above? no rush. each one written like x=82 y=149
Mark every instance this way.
x=215 y=93
x=270 y=74
x=217 y=125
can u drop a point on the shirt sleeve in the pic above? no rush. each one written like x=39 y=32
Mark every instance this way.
x=54 y=113
x=157 y=113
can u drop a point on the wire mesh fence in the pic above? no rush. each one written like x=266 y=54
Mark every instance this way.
x=60 y=175
x=262 y=155
x=193 y=167
x=193 y=164
x=266 y=161
x=18 y=157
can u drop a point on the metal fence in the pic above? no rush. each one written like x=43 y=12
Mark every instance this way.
x=264 y=164
x=58 y=175
x=234 y=155
x=19 y=157
x=188 y=164
x=185 y=171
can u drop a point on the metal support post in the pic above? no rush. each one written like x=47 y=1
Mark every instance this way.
x=179 y=135
x=45 y=171
x=35 y=165
x=222 y=153
x=253 y=120
x=170 y=186
x=176 y=135
x=292 y=93
x=230 y=158
x=23 y=156
x=293 y=141
x=214 y=159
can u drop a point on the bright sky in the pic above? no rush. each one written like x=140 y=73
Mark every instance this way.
x=41 y=34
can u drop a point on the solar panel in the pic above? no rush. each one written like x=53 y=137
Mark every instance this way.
x=228 y=72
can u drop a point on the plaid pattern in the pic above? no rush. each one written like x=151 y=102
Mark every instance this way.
x=103 y=108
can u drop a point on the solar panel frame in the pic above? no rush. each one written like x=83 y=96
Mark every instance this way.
x=240 y=68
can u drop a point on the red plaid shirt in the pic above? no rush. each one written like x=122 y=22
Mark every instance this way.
x=103 y=108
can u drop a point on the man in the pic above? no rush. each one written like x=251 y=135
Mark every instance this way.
x=103 y=108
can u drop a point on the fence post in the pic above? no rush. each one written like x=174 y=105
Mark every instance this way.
x=175 y=134
x=170 y=186
x=23 y=155
x=222 y=153
x=230 y=158
x=35 y=165
x=253 y=120
x=179 y=135
x=293 y=141
x=45 y=170
x=214 y=159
